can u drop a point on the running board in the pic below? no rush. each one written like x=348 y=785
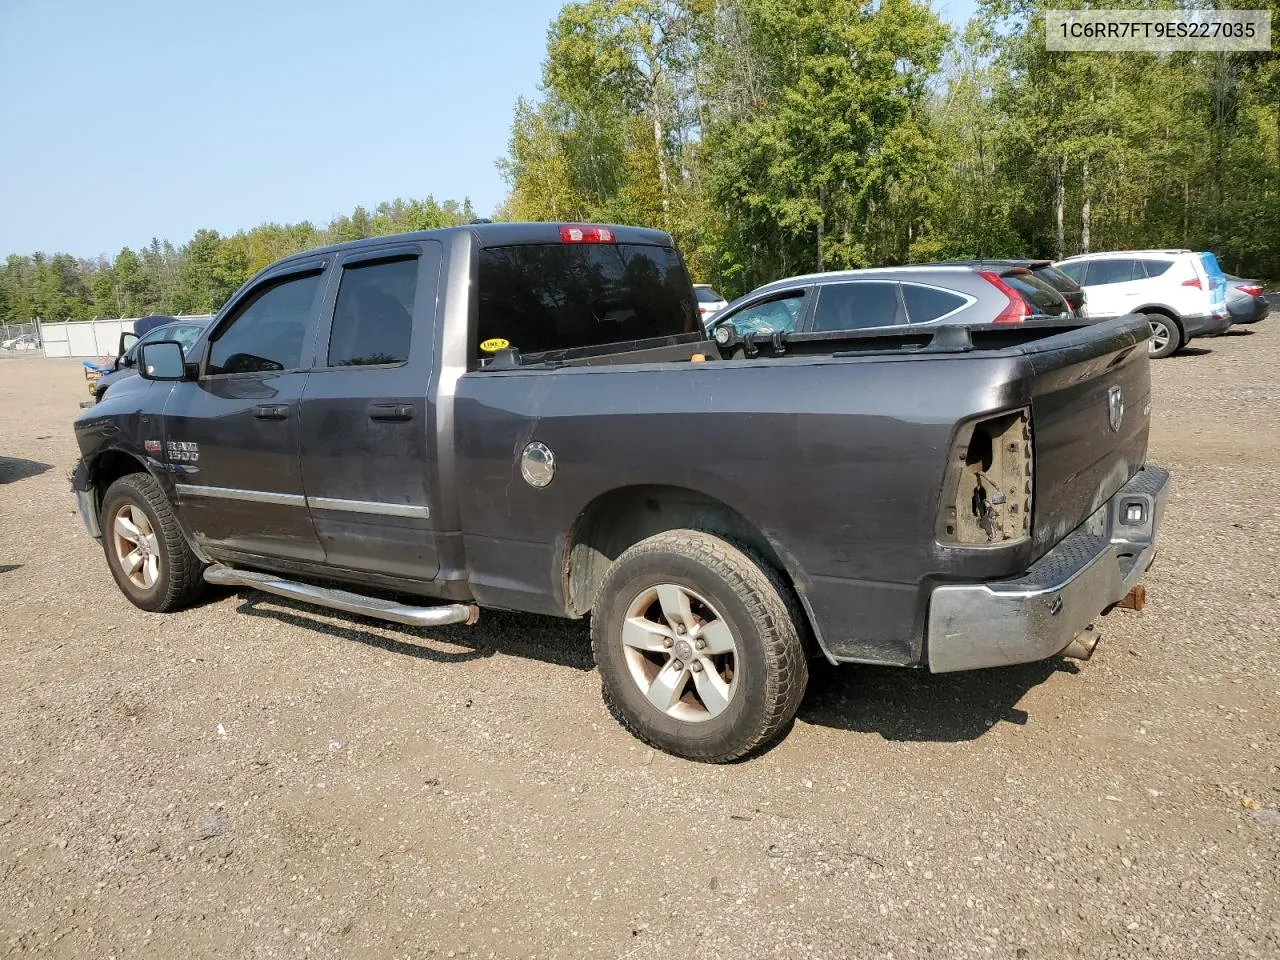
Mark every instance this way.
x=375 y=607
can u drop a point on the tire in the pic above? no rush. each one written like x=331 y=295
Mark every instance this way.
x=168 y=576
x=713 y=706
x=1164 y=332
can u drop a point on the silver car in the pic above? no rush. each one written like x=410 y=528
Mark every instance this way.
x=890 y=297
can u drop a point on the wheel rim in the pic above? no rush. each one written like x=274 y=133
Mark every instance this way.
x=1159 y=336
x=136 y=545
x=680 y=652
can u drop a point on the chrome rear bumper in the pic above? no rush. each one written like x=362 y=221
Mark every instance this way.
x=973 y=625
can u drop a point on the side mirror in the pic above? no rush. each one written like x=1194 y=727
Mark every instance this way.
x=162 y=360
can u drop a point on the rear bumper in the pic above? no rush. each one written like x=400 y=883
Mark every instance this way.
x=975 y=625
x=1205 y=324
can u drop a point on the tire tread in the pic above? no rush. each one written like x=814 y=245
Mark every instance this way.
x=774 y=611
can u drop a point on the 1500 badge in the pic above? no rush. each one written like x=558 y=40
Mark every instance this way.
x=183 y=452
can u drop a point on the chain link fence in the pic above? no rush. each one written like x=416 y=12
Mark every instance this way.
x=18 y=338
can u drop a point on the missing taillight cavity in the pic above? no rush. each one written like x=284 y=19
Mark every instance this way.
x=991 y=501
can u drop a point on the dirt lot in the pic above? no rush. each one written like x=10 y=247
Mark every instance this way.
x=385 y=792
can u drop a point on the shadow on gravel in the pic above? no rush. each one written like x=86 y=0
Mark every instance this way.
x=1240 y=332
x=903 y=704
x=563 y=643
x=9 y=567
x=15 y=468
x=1191 y=352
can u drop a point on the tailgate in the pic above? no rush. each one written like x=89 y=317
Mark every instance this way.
x=1090 y=417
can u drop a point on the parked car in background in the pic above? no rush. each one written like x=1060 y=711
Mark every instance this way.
x=892 y=297
x=709 y=302
x=27 y=341
x=1043 y=270
x=1181 y=293
x=185 y=332
x=1245 y=300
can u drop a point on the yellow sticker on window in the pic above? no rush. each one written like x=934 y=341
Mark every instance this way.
x=494 y=344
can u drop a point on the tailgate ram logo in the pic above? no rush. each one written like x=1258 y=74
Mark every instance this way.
x=1115 y=408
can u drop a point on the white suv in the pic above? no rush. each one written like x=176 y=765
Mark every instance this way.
x=1182 y=293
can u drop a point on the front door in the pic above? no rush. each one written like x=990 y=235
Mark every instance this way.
x=367 y=434
x=232 y=436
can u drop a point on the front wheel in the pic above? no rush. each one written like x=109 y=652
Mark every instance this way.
x=1165 y=336
x=149 y=557
x=699 y=647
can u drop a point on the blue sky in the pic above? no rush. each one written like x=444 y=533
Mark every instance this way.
x=127 y=119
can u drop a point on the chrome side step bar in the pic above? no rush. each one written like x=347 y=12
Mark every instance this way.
x=437 y=616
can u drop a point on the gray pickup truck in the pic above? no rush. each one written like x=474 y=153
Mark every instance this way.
x=530 y=417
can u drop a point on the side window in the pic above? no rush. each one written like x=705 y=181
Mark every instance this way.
x=860 y=305
x=1153 y=268
x=1113 y=271
x=268 y=333
x=773 y=316
x=925 y=304
x=1073 y=270
x=373 y=318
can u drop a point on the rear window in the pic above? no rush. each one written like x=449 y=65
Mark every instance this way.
x=1056 y=279
x=1072 y=271
x=567 y=296
x=1042 y=297
x=707 y=295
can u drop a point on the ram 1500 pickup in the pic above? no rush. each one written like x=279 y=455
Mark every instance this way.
x=529 y=417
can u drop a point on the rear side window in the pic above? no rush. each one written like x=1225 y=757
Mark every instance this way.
x=1042 y=298
x=859 y=305
x=565 y=296
x=373 y=318
x=269 y=332
x=925 y=304
x=1153 y=268
x=1102 y=272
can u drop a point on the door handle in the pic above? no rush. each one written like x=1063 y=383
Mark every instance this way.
x=390 y=412
x=271 y=411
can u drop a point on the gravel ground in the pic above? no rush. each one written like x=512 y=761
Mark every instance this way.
x=253 y=778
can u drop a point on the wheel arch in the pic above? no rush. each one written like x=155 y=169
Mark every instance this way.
x=1166 y=312
x=622 y=517
x=109 y=466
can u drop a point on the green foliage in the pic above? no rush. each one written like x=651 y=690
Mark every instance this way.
x=796 y=135
x=197 y=277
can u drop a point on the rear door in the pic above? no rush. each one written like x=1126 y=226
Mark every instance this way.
x=231 y=436
x=365 y=419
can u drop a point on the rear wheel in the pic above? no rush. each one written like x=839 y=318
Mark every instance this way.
x=1165 y=336
x=698 y=645
x=149 y=557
